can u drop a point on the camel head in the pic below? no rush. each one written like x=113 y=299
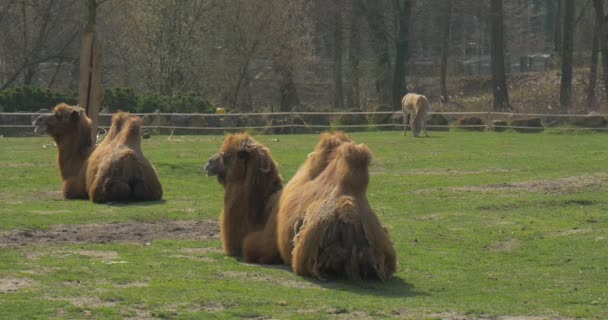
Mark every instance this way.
x=240 y=158
x=63 y=121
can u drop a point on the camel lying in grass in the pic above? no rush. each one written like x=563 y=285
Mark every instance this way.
x=115 y=170
x=320 y=224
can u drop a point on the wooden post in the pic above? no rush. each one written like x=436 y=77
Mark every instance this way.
x=91 y=93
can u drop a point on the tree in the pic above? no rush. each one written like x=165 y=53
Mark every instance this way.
x=379 y=40
x=338 y=7
x=34 y=32
x=354 y=50
x=601 y=28
x=497 y=52
x=403 y=9
x=591 y=97
x=445 y=51
x=565 y=96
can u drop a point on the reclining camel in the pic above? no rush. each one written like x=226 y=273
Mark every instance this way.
x=115 y=170
x=320 y=224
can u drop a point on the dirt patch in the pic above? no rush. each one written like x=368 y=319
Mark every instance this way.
x=455 y=316
x=505 y=246
x=555 y=186
x=47 y=212
x=138 y=232
x=84 y=301
x=97 y=254
x=13 y=284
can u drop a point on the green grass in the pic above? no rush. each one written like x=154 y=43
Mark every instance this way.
x=484 y=224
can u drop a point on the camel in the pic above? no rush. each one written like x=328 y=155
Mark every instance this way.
x=320 y=224
x=252 y=185
x=115 y=170
x=415 y=107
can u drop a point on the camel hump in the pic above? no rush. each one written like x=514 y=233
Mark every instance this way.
x=355 y=155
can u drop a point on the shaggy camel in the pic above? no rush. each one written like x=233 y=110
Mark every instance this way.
x=321 y=223
x=116 y=170
x=415 y=107
x=252 y=185
x=335 y=231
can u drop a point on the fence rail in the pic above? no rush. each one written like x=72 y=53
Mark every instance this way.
x=290 y=120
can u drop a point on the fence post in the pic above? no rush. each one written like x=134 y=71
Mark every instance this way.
x=291 y=116
x=490 y=124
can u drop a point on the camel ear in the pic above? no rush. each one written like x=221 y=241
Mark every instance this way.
x=75 y=115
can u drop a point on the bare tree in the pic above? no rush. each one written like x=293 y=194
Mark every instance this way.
x=602 y=38
x=374 y=14
x=591 y=96
x=404 y=10
x=354 y=50
x=566 y=56
x=445 y=51
x=35 y=32
x=497 y=52
x=338 y=8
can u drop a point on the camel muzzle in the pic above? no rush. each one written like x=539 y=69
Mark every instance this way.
x=40 y=124
x=214 y=165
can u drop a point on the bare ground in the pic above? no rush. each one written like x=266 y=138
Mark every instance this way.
x=554 y=186
x=137 y=232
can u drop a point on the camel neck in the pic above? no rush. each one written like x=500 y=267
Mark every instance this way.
x=72 y=154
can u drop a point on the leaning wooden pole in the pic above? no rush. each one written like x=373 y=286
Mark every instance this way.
x=90 y=92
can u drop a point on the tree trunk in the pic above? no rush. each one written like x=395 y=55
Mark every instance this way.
x=354 y=46
x=374 y=13
x=603 y=40
x=557 y=36
x=565 y=96
x=497 y=52
x=591 y=97
x=401 y=54
x=287 y=90
x=445 y=47
x=337 y=56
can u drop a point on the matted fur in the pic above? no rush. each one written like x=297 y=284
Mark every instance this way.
x=320 y=223
x=415 y=107
x=116 y=170
x=291 y=213
x=252 y=185
x=335 y=230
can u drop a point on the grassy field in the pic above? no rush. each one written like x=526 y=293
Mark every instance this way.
x=486 y=226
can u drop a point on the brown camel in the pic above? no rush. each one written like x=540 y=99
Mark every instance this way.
x=321 y=224
x=251 y=184
x=116 y=170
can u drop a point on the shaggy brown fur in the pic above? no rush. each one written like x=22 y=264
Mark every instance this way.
x=118 y=170
x=415 y=107
x=71 y=130
x=114 y=171
x=288 y=216
x=335 y=230
x=252 y=185
x=320 y=224
x=272 y=245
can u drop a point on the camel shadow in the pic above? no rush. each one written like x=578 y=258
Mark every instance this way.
x=395 y=287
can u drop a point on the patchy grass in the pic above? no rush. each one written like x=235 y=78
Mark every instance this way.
x=486 y=226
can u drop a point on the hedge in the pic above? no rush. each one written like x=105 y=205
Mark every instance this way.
x=32 y=99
